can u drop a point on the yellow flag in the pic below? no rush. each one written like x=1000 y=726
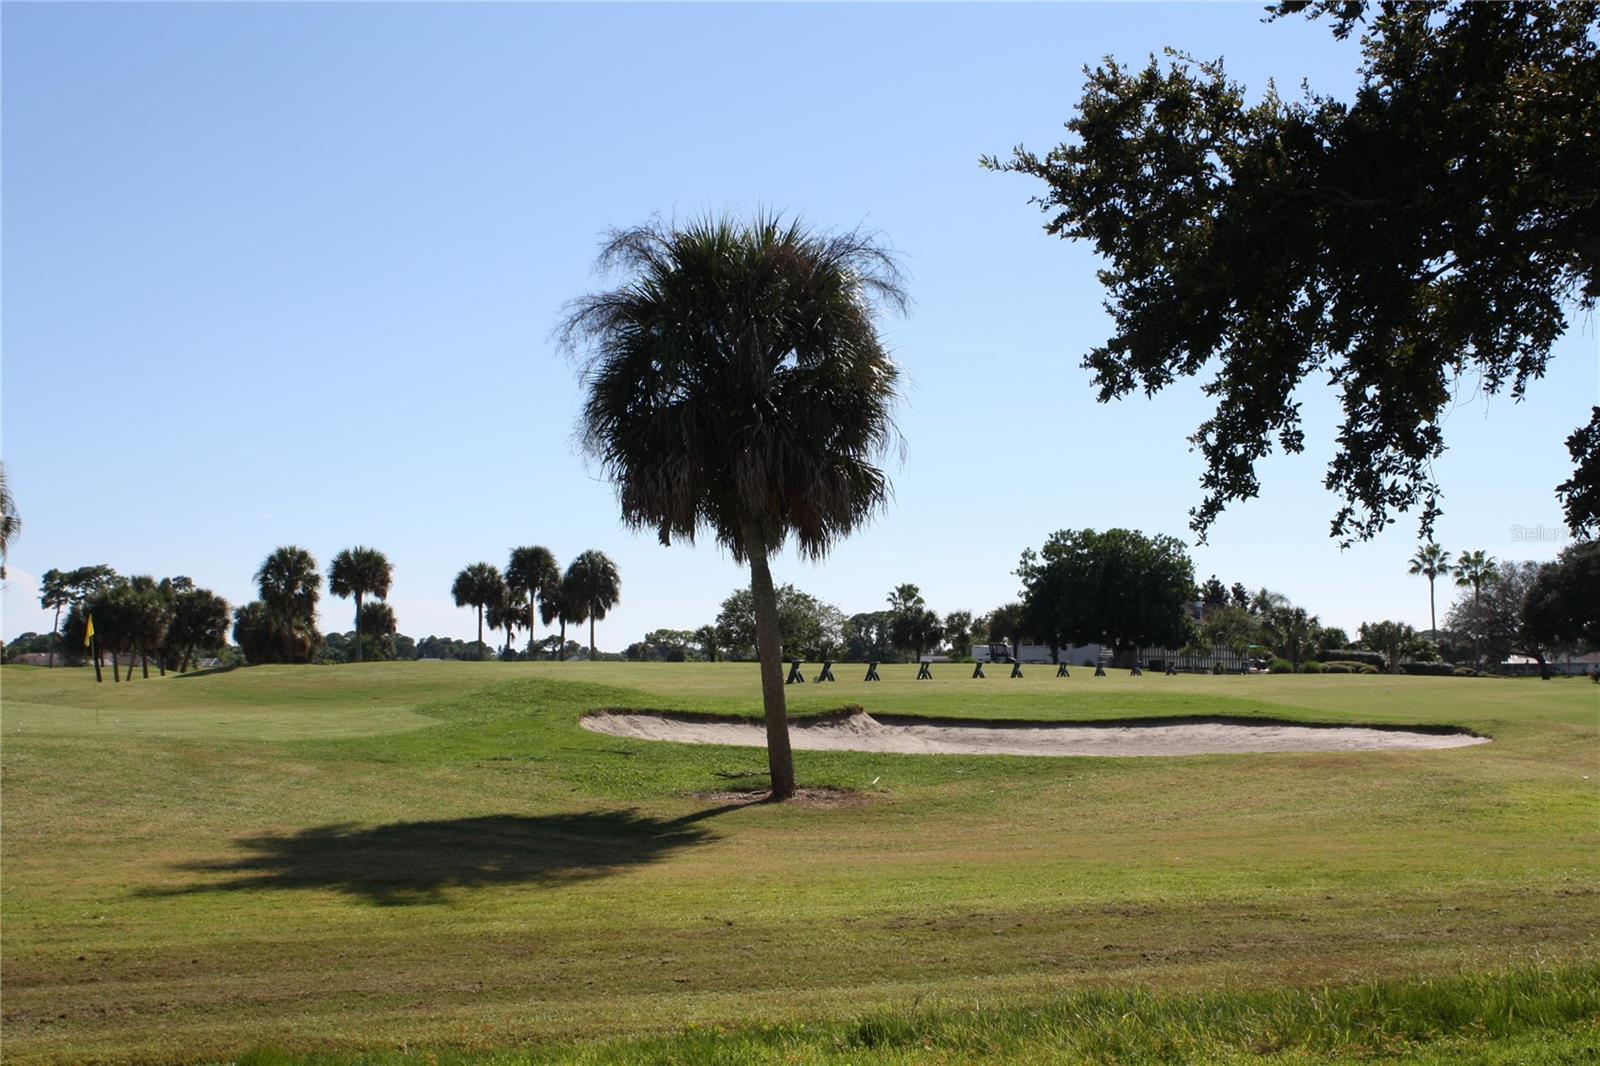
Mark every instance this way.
x=88 y=631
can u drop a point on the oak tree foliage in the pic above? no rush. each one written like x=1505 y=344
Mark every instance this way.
x=1426 y=238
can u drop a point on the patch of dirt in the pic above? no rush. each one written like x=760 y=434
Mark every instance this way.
x=924 y=736
x=821 y=798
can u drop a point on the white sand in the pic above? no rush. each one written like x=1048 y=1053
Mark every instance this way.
x=862 y=732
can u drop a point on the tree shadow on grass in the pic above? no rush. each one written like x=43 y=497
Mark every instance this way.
x=420 y=862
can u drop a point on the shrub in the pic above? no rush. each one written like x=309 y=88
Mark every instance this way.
x=1356 y=655
x=1351 y=666
x=1427 y=669
x=1216 y=668
x=1280 y=666
x=1336 y=668
x=1311 y=666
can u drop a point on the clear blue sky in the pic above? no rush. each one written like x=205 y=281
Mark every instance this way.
x=287 y=274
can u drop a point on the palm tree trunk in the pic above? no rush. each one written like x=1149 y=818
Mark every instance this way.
x=116 y=667
x=54 y=628
x=1433 y=622
x=480 y=630
x=144 y=662
x=94 y=653
x=591 y=635
x=358 y=625
x=561 y=652
x=780 y=759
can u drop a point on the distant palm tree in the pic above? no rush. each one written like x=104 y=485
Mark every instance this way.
x=290 y=587
x=54 y=595
x=507 y=610
x=706 y=637
x=558 y=604
x=736 y=382
x=476 y=586
x=594 y=586
x=529 y=571
x=1475 y=570
x=10 y=520
x=360 y=572
x=1006 y=624
x=1431 y=561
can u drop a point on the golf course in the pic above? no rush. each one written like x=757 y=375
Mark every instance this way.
x=435 y=862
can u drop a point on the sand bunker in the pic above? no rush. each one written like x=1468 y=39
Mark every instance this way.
x=924 y=736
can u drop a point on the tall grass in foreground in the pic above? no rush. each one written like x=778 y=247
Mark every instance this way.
x=1524 y=1016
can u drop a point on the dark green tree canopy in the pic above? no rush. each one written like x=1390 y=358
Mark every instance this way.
x=808 y=628
x=1562 y=608
x=1119 y=588
x=1427 y=236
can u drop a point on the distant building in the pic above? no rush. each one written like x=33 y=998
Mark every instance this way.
x=1559 y=666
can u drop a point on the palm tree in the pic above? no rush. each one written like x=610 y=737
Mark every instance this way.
x=1475 y=570
x=360 y=572
x=595 y=587
x=54 y=595
x=476 y=586
x=529 y=572
x=1006 y=624
x=10 y=520
x=506 y=610
x=378 y=624
x=556 y=604
x=290 y=587
x=737 y=383
x=706 y=637
x=1431 y=561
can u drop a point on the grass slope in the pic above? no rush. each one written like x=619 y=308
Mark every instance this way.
x=366 y=857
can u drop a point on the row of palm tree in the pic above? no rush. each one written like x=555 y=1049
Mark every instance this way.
x=1473 y=570
x=533 y=583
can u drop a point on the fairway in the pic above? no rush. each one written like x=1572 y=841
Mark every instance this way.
x=436 y=855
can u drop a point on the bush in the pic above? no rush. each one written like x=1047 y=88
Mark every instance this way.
x=1311 y=666
x=1280 y=666
x=1352 y=666
x=1337 y=668
x=1374 y=659
x=1424 y=669
x=1216 y=668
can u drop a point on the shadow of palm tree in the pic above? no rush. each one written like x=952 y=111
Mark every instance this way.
x=418 y=862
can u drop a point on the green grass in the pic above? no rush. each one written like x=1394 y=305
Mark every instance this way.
x=367 y=858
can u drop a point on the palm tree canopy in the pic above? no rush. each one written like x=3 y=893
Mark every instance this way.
x=552 y=604
x=531 y=569
x=10 y=520
x=1430 y=561
x=289 y=582
x=737 y=381
x=476 y=585
x=360 y=571
x=592 y=585
x=1476 y=568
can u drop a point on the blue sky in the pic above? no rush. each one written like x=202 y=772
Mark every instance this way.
x=287 y=274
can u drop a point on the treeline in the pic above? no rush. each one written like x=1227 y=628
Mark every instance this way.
x=1125 y=591
x=170 y=621
x=1119 y=589
x=174 y=624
